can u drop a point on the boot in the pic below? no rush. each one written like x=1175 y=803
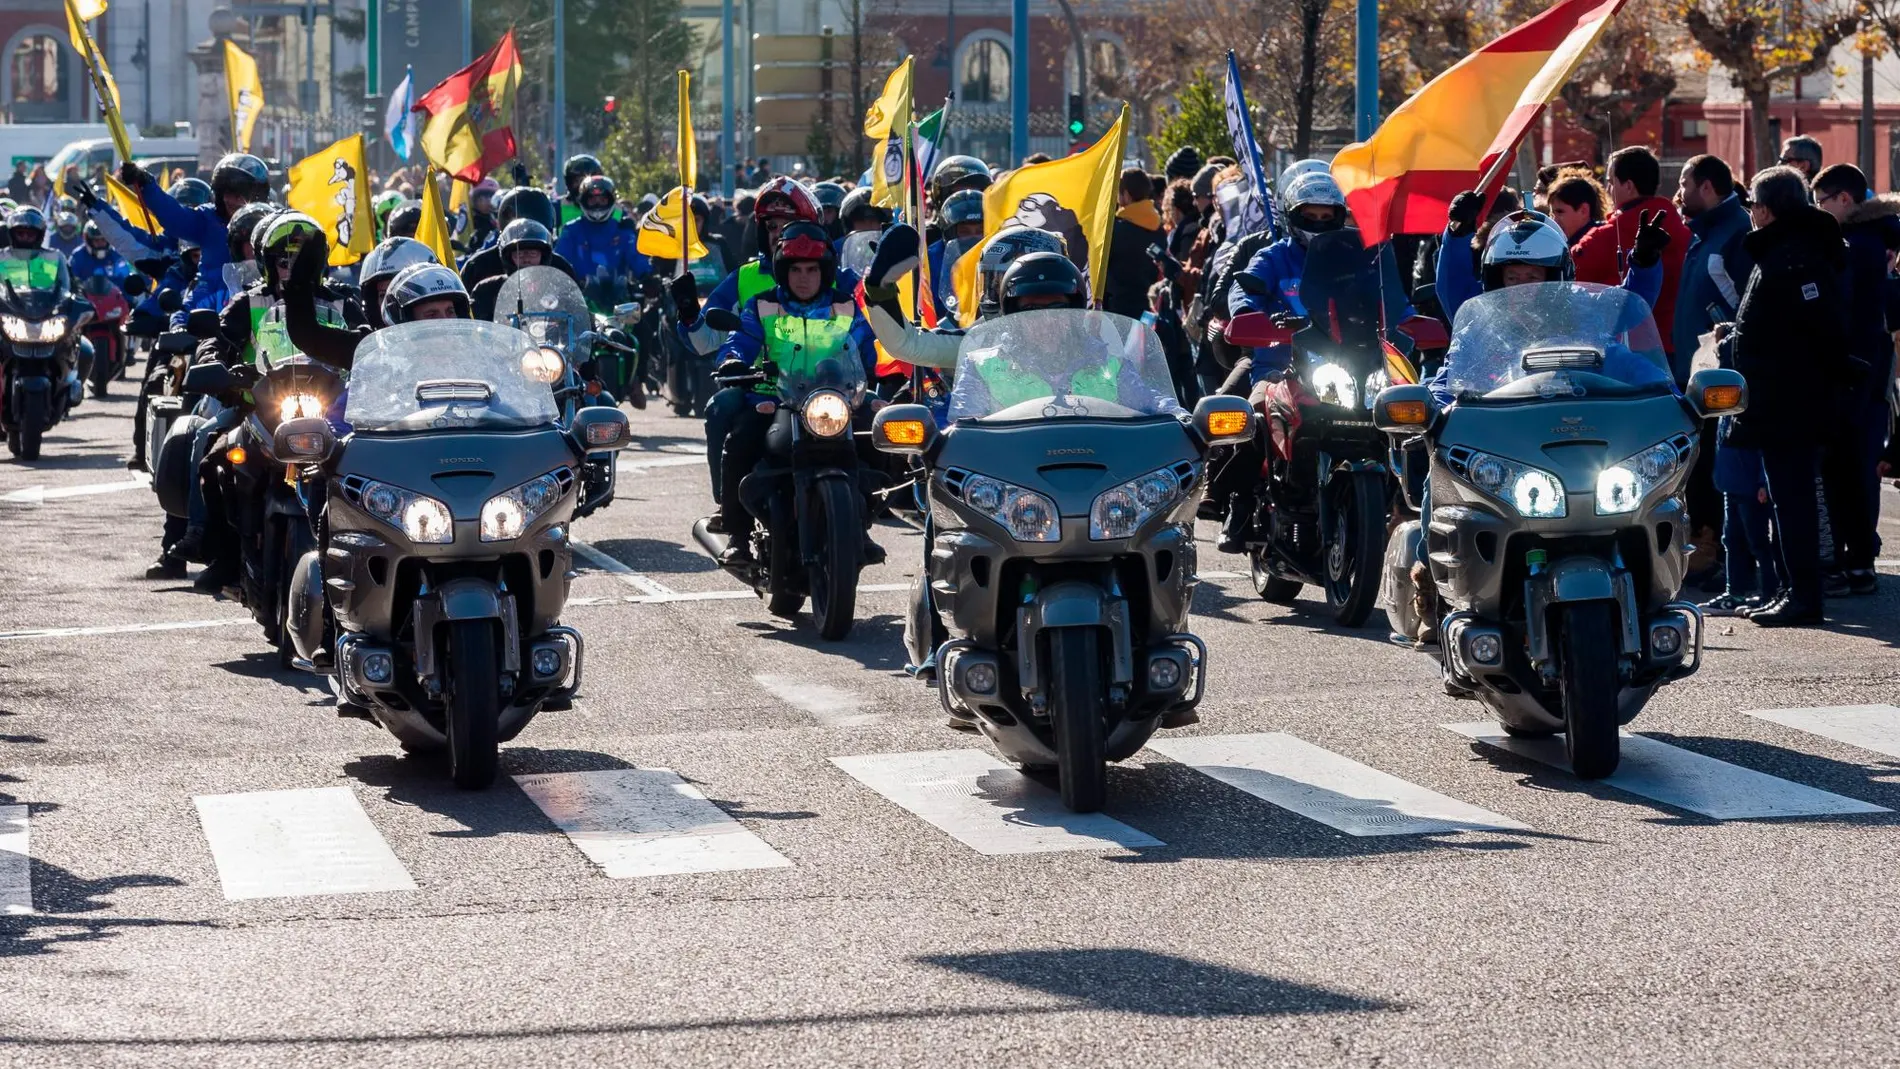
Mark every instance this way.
x=1238 y=525
x=1425 y=604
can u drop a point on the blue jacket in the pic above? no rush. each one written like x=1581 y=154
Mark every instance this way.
x=1280 y=265
x=1458 y=279
x=84 y=265
x=203 y=227
x=1714 y=273
x=605 y=248
x=747 y=342
x=65 y=246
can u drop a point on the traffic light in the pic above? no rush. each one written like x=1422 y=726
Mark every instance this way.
x=607 y=104
x=1078 y=118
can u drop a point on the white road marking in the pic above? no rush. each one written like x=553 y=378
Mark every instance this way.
x=16 y=863
x=39 y=495
x=1870 y=727
x=620 y=571
x=636 y=822
x=283 y=844
x=986 y=804
x=661 y=462
x=1685 y=779
x=830 y=706
x=1324 y=786
x=741 y=595
x=1222 y=575
x=121 y=629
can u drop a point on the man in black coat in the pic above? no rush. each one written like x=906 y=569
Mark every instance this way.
x=1790 y=340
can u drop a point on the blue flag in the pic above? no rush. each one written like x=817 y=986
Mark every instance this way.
x=398 y=120
x=1259 y=213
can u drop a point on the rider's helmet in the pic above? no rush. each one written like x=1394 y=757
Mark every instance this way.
x=1039 y=274
x=1313 y=189
x=954 y=173
x=26 y=227
x=422 y=282
x=385 y=261
x=524 y=234
x=963 y=206
x=404 y=221
x=279 y=238
x=782 y=198
x=66 y=224
x=646 y=203
x=191 y=192
x=596 y=198
x=486 y=188
x=242 y=174
x=1001 y=254
x=1295 y=170
x=828 y=195
x=1526 y=237
x=94 y=234
x=802 y=241
x=525 y=202
x=857 y=207
x=577 y=168
x=237 y=233
x=66 y=205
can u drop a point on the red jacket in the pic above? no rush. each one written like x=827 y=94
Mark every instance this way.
x=1602 y=255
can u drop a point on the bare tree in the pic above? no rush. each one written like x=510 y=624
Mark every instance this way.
x=1624 y=76
x=1762 y=42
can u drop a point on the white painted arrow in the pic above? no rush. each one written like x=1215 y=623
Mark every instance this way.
x=39 y=495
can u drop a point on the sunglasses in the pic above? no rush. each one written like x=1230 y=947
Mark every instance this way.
x=1791 y=160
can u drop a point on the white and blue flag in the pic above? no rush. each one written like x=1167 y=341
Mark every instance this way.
x=1259 y=213
x=398 y=121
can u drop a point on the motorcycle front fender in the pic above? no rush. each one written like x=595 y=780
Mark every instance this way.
x=1576 y=579
x=1073 y=604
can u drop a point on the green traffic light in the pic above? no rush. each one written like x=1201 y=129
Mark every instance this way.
x=1075 y=128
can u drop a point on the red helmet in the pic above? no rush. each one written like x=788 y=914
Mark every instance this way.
x=803 y=241
x=782 y=198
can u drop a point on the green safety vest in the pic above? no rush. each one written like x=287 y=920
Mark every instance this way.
x=798 y=345
x=1011 y=385
x=755 y=280
x=39 y=272
x=270 y=334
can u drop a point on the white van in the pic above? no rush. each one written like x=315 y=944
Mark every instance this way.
x=91 y=152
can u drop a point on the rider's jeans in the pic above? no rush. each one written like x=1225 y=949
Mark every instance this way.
x=721 y=411
x=224 y=420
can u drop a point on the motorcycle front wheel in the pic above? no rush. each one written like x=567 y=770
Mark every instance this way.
x=1075 y=709
x=833 y=580
x=1590 y=684
x=1355 y=547
x=474 y=704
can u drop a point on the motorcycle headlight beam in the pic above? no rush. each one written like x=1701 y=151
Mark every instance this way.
x=1335 y=386
x=827 y=414
x=423 y=519
x=1027 y=515
x=1119 y=511
x=1622 y=487
x=508 y=513
x=300 y=406
x=33 y=332
x=543 y=365
x=1535 y=493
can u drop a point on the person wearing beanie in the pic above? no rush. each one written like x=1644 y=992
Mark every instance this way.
x=1185 y=163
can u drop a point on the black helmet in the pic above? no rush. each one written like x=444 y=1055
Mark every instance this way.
x=243 y=174
x=27 y=227
x=524 y=234
x=963 y=206
x=404 y=221
x=801 y=241
x=525 y=202
x=1000 y=254
x=857 y=205
x=93 y=231
x=596 y=198
x=237 y=232
x=957 y=172
x=1041 y=273
x=191 y=192
x=829 y=195
x=422 y=282
x=577 y=168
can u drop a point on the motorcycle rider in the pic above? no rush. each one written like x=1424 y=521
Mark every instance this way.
x=960 y=218
x=524 y=243
x=602 y=250
x=385 y=203
x=576 y=170
x=28 y=264
x=404 y=221
x=951 y=175
x=776 y=325
x=519 y=203
x=830 y=197
x=857 y=213
x=66 y=238
x=481 y=215
x=389 y=261
x=98 y=257
x=1458 y=283
x=238 y=179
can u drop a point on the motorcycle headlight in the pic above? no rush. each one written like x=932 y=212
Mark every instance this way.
x=33 y=332
x=422 y=519
x=542 y=365
x=508 y=513
x=1119 y=511
x=1375 y=382
x=1533 y=492
x=1335 y=386
x=300 y=406
x=827 y=414
x=1623 y=486
x=1026 y=514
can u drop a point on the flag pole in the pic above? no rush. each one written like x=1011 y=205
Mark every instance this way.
x=914 y=204
x=1499 y=167
x=686 y=180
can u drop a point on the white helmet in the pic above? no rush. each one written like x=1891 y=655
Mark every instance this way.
x=1526 y=237
x=391 y=255
x=1295 y=170
x=1311 y=189
x=422 y=282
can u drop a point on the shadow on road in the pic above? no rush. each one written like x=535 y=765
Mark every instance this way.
x=264 y=666
x=876 y=642
x=422 y=781
x=655 y=556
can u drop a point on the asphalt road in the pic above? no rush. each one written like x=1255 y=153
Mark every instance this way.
x=171 y=908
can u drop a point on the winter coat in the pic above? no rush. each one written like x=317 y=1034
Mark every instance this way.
x=1714 y=270
x=1790 y=339
x=1603 y=254
x=1130 y=269
x=1871 y=231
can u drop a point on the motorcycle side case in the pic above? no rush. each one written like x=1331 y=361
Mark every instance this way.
x=172 y=471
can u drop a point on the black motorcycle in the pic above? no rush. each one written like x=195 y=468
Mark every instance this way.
x=42 y=367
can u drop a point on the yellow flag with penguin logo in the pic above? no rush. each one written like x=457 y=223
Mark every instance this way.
x=332 y=187
x=661 y=227
x=887 y=122
x=246 y=93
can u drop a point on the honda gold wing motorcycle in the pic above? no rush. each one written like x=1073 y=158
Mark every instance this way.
x=1554 y=523
x=447 y=556
x=1062 y=495
x=109 y=309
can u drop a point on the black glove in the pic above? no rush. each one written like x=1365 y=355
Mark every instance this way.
x=307 y=269
x=651 y=287
x=522 y=177
x=82 y=192
x=1462 y=219
x=685 y=297
x=897 y=254
x=132 y=175
x=1651 y=239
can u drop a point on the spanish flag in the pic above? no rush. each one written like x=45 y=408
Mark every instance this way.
x=466 y=127
x=332 y=187
x=1449 y=135
x=241 y=84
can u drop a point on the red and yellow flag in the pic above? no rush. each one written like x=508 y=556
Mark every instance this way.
x=1450 y=133
x=466 y=126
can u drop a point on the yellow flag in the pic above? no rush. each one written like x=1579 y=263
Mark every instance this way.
x=103 y=85
x=689 y=168
x=332 y=187
x=246 y=93
x=433 y=231
x=90 y=9
x=661 y=226
x=888 y=121
x=1073 y=197
x=891 y=110
x=130 y=206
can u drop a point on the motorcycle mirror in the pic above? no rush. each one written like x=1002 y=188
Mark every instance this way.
x=170 y=300
x=599 y=428
x=202 y=323
x=1223 y=420
x=1426 y=332
x=306 y=440
x=135 y=285
x=209 y=377
x=1717 y=391
x=906 y=430
x=1404 y=409
x=1252 y=285
x=1256 y=330
x=723 y=319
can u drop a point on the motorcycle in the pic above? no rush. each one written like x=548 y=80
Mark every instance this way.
x=1064 y=558
x=1325 y=488
x=1555 y=521
x=547 y=304
x=447 y=560
x=166 y=403
x=109 y=309
x=42 y=365
x=805 y=496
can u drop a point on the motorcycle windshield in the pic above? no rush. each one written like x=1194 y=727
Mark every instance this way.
x=1340 y=295
x=546 y=303
x=813 y=354
x=1059 y=362
x=271 y=340
x=1551 y=340
x=449 y=375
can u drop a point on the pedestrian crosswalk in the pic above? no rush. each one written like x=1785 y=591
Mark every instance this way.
x=633 y=823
